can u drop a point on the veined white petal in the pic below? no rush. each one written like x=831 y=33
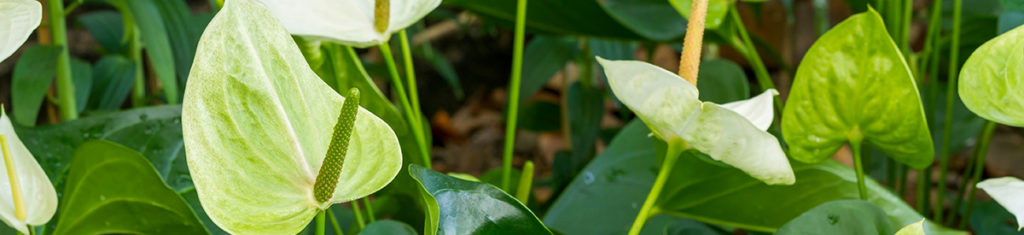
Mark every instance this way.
x=758 y=110
x=659 y=97
x=18 y=18
x=407 y=12
x=40 y=199
x=728 y=137
x=1008 y=192
x=349 y=22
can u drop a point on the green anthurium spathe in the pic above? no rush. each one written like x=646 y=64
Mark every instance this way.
x=912 y=229
x=257 y=123
x=26 y=195
x=358 y=23
x=19 y=18
x=853 y=85
x=733 y=133
x=992 y=79
x=1008 y=192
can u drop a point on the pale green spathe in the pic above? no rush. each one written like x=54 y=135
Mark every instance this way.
x=38 y=194
x=992 y=79
x=1008 y=192
x=257 y=122
x=18 y=18
x=350 y=22
x=853 y=85
x=912 y=229
x=733 y=133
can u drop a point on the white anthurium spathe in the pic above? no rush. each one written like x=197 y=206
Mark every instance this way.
x=32 y=200
x=18 y=18
x=733 y=133
x=1008 y=192
x=257 y=124
x=358 y=23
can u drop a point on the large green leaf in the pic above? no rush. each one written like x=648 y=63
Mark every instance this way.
x=544 y=56
x=253 y=104
x=586 y=109
x=33 y=74
x=722 y=81
x=619 y=178
x=854 y=85
x=183 y=31
x=153 y=33
x=840 y=217
x=465 y=207
x=630 y=20
x=114 y=76
x=992 y=78
x=113 y=189
x=81 y=74
x=107 y=27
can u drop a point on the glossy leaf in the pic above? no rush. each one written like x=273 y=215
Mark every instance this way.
x=253 y=104
x=733 y=133
x=38 y=198
x=320 y=19
x=387 y=227
x=854 y=82
x=619 y=178
x=1008 y=192
x=716 y=12
x=113 y=189
x=107 y=27
x=115 y=76
x=840 y=217
x=32 y=76
x=991 y=79
x=466 y=207
x=19 y=18
x=654 y=20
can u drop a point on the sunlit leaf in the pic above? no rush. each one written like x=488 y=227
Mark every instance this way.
x=912 y=229
x=992 y=78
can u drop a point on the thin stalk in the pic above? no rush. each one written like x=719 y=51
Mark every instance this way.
x=320 y=222
x=903 y=181
x=65 y=86
x=922 y=189
x=858 y=166
x=908 y=6
x=979 y=168
x=513 y=95
x=891 y=173
x=139 y=88
x=358 y=213
x=334 y=223
x=674 y=149
x=410 y=74
x=410 y=114
x=750 y=53
x=968 y=171
x=931 y=37
x=947 y=124
x=525 y=183
x=369 y=210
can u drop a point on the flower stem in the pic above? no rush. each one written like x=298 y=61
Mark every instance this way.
x=334 y=222
x=947 y=125
x=855 y=146
x=410 y=114
x=923 y=181
x=410 y=74
x=320 y=222
x=979 y=168
x=675 y=147
x=65 y=86
x=513 y=94
x=749 y=51
x=369 y=210
x=358 y=214
x=525 y=182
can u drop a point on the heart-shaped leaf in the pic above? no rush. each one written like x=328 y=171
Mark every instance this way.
x=359 y=25
x=840 y=217
x=992 y=79
x=20 y=18
x=26 y=195
x=459 y=206
x=113 y=189
x=853 y=84
x=257 y=122
x=1008 y=192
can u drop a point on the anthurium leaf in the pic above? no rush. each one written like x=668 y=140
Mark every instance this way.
x=733 y=133
x=912 y=229
x=620 y=177
x=722 y=81
x=466 y=207
x=854 y=82
x=33 y=74
x=107 y=27
x=387 y=227
x=992 y=78
x=254 y=105
x=840 y=217
x=354 y=28
x=153 y=33
x=1008 y=192
x=36 y=196
x=114 y=76
x=716 y=12
x=81 y=73
x=113 y=189
x=20 y=18
x=544 y=56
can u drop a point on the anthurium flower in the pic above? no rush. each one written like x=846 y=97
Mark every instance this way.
x=26 y=195
x=257 y=123
x=18 y=18
x=1008 y=192
x=733 y=133
x=359 y=23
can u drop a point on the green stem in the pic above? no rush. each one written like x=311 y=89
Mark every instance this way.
x=903 y=180
x=947 y=123
x=923 y=180
x=821 y=16
x=675 y=147
x=513 y=100
x=749 y=51
x=334 y=222
x=410 y=74
x=525 y=182
x=979 y=168
x=931 y=36
x=65 y=86
x=968 y=171
x=908 y=6
x=855 y=146
x=320 y=222
x=369 y=210
x=358 y=214
x=410 y=114
x=139 y=88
